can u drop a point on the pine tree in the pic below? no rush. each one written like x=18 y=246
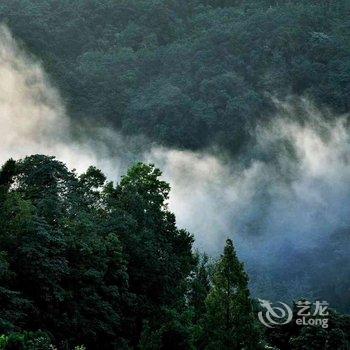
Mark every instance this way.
x=230 y=321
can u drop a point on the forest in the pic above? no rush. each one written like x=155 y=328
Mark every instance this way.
x=190 y=74
x=86 y=263
x=89 y=264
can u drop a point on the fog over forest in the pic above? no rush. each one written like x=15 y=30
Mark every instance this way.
x=174 y=175
x=284 y=196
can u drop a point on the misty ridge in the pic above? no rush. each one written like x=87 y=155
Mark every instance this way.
x=174 y=175
x=283 y=199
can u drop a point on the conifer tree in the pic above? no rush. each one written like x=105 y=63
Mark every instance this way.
x=230 y=321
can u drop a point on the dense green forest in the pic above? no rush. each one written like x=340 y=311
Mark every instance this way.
x=188 y=73
x=86 y=262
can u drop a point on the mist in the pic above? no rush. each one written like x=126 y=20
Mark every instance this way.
x=33 y=118
x=284 y=201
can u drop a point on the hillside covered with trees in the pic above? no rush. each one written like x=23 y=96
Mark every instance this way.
x=189 y=74
x=90 y=264
x=86 y=262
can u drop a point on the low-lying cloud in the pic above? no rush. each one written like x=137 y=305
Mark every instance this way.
x=284 y=199
x=33 y=118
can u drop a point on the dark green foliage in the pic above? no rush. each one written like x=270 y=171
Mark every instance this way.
x=292 y=337
x=63 y=258
x=87 y=261
x=26 y=341
x=159 y=255
x=91 y=263
x=229 y=320
x=188 y=73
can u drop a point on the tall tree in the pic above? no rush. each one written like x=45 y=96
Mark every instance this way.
x=158 y=254
x=230 y=321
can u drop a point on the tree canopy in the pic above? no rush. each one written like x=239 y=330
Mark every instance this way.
x=187 y=74
x=85 y=261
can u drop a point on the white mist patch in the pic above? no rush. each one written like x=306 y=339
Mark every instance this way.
x=314 y=202
x=30 y=108
x=206 y=195
x=294 y=192
x=33 y=118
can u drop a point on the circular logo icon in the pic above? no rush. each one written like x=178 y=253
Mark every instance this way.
x=274 y=315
